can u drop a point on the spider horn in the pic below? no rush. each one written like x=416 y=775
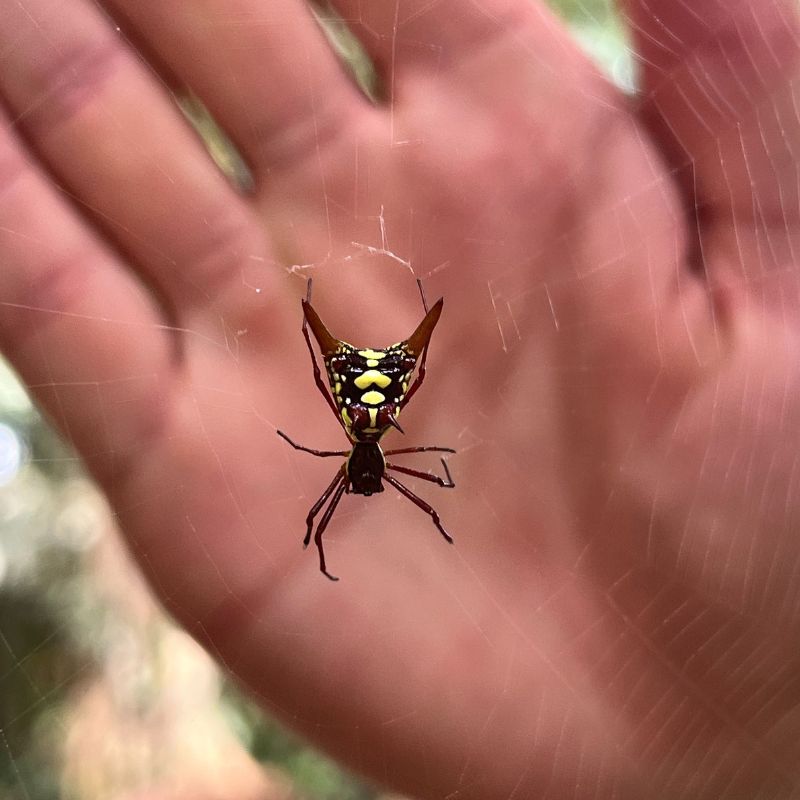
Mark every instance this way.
x=418 y=340
x=393 y=422
x=327 y=344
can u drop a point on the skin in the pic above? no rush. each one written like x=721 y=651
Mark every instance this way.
x=617 y=363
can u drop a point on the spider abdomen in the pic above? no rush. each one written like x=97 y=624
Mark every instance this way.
x=365 y=468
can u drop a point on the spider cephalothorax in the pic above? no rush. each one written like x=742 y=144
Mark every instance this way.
x=368 y=390
x=369 y=386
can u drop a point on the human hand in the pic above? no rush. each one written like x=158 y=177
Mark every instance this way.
x=616 y=363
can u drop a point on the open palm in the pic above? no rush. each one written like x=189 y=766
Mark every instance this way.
x=617 y=364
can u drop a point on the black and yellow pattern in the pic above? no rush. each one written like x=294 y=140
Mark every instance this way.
x=369 y=386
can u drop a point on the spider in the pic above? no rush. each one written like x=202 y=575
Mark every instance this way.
x=370 y=388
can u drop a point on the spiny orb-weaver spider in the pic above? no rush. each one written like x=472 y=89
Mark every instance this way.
x=370 y=388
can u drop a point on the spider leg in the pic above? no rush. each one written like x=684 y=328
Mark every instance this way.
x=340 y=476
x=323 y=523
x=317 y=376
x=426 y=476
x=425 y=449
x=422 y=294
x=420 y=503
x=320 y=453
x=418 y=380
x=421 y=371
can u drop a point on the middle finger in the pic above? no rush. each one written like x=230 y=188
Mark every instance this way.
x=273 y=81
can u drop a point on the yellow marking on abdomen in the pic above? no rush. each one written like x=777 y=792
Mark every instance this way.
x=372 y=354
x=371 y=362
x=372 y=376
x=346 y=417
x=372 y=398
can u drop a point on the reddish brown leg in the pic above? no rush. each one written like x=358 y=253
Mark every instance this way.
x=419 y=450
x=422 y=295
x=340 y=476
x=426 y=476
x=317 y=375
x=421 y=370
x=420 y=503
x=418 y=380
x=320 y=453
x=323 y=523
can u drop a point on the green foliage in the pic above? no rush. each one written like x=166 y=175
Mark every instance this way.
x=592 y=12
x=38 y=666
x=314 y=774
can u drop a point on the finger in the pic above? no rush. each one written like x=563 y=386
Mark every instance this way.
x=114 y=138
x=443 y=35
x=274 y=81
x=718 y=94
x=83 y=334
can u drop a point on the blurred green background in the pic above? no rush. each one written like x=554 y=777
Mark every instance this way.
x=100 y=696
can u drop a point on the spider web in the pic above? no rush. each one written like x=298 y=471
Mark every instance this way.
x=104 y=697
